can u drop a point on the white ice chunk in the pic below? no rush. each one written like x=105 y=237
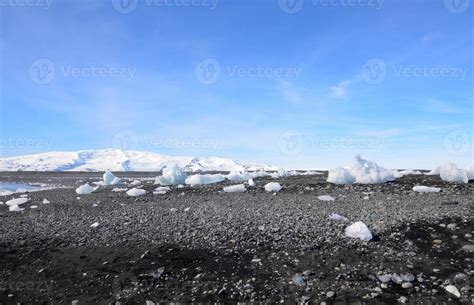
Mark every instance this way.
x=172 y=175
x=33 y=207
x=110 y=179
x=86 y=189
x=204 y=179
x=338 y=217
x=251 y=182
x=45 y=201
x=135 y=182
x=273 y=187
x=470 y=172
x=326 y=198
x=238 y=188
x=16 y=201
x=239 y=176
x=94 y=225
x=161 y=190
x=449 y=172
x=340 y=175
x=15 y=208
x=359 y=230
x=136 y=192
x=426 y=189
x=363 y=171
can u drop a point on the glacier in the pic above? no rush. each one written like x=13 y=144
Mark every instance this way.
x=122 y=160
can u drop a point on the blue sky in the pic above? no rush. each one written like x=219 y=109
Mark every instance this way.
x=296 y=83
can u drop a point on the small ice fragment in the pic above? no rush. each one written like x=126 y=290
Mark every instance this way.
x=15 y=208
x=86 y=189
x=326 y=198
x=94 y=225
x=136 y=192
x=359 y=230
x=16 y=201
x=335 y=216
x=426 y=189
x=273 y=187
x=238 y=188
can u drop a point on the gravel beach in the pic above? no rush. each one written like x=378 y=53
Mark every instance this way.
x=200 y=244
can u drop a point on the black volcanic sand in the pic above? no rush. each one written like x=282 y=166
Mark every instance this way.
x=199 y=244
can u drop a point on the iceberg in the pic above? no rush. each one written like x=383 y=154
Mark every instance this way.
x=172 y=175
x=110 y=179
x=364 y=171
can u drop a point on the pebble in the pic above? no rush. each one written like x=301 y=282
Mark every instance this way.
x=330 y=294
x=453 y=290
x=407 y=285
x=298 y=280
x=468 y=248
x=437 y=241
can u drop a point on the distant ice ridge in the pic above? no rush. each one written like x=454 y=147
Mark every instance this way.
x=121 y=160
x=451 y=173
x=364 y=171
x=399 y=174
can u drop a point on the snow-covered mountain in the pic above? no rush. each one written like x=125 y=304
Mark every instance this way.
x=119 y=160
